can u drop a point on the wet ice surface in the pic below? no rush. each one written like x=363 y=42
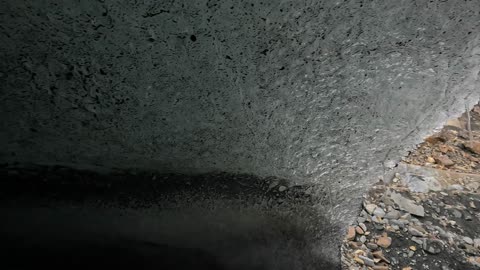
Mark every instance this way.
x=62 y=218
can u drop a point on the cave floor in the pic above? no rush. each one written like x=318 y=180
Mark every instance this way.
x=60 y=218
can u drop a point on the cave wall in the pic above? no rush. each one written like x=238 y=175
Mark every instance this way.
x=322 y=91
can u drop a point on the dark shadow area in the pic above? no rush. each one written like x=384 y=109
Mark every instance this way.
x=108 y=256
x=60 y=218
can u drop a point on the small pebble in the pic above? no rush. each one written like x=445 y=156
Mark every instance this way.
x=384 y=241
x=378 y=212
x=359 y=230
x=372 y=246
x=370 y=208
x=367 y=261
x=363 y=239
x=472 y=205
x=363 y=226
x=457 y=213
x=433 y=246
x=394 y=214
x=455 y=187
x=476 y=242
x=417 y=240
x=351 y=233
x=415 y=232
x=468 y=240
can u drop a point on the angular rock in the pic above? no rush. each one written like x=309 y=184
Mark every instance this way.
x=419 y=228
x=472 y=205
x=476 y=242
x=455 y=187
x=415 y=232
x=378 y=212
x=469 y=249
x=393 y=214
x=436 y=138
x=468 y=240
x=351 y=233
x=361 y=219
x=416 y=221
x=473 y=186
x=423 y=184
x=432 y=246
x=372 y=246
x=367 y=261
x=363 y=239
x=395 y=227
x=407 y=204
x=359 y=230
x=473 y=146
x=398 y=223
x=370 y=208
x=440 y=230
x=457 y=213
x=384 y=241
x=354 y=245
x=455 y=123
x=359 y=261
x=444 y=160
x=444 y=148
x=379 y=255
x=363 y=226
x=417 y=240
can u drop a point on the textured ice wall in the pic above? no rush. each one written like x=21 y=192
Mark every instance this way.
x=323 y=91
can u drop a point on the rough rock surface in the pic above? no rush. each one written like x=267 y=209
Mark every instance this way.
x=324 y=91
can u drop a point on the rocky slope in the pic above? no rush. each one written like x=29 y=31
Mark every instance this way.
x=427 y=216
